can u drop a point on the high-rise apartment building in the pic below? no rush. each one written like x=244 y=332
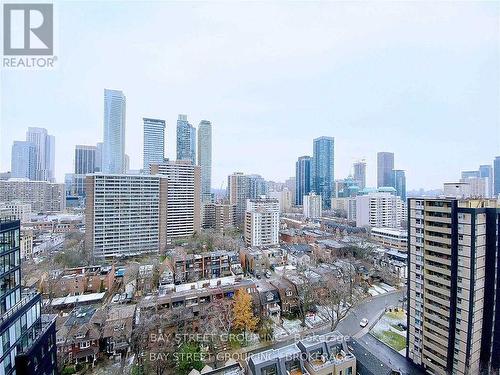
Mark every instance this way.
x=42 y=195
x=28 y=337
x=125 y=214
x=399 y=180
x=16 y=210
x=360 y=173
x=346 y=205
x=291 y=185
x=284 y=198
x=183 y=197
x=496 y=176
x=238 y=191
x=113 y=158
x=241 y=187
x=257 y=185
x=23 y=160
x=44 y=153
x=302 y=178
x=454 y=285
x=312 y=206
x=385 y=166
x=379 y=209
x=219 y=216
x=322 y=171
x=186 y=140
x=154 y=143
x=262 y=222
x=205 y=159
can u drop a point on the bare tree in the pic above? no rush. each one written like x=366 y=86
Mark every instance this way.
x=216 y=327
x=333 y=295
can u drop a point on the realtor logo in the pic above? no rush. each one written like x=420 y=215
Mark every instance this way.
x=28 y=29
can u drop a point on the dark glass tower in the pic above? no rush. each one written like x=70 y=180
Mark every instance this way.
x=385 y=165
x=302 y=178
x=323 y=169
x=28 y=339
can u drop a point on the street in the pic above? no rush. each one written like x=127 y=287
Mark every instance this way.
x=369 y=309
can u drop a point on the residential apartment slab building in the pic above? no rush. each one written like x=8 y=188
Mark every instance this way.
x=125 y=214
x=454 y=285
x=17 y=210
x=219 y=216
x=238 y=191
x=379 y=209
x=183 y=201
x=42 y=195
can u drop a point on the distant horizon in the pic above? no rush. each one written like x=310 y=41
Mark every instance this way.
x=420 y=80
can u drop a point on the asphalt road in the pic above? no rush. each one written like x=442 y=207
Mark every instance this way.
x=369 y=309
x=349 y=326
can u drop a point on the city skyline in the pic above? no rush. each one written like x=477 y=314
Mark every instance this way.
x=409 y=106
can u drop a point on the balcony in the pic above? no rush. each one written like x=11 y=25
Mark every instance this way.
x=26 y=299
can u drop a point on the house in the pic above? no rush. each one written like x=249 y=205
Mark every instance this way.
x=257 y=261
x=288 y=293
x=78 y=280
x=254 y=262
x=117 y=330
x=207 y=265
x=298 y=254
x=193 y=297
x=78 y=336
x=267 y=300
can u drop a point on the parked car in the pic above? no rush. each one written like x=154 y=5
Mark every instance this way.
x=363 y=322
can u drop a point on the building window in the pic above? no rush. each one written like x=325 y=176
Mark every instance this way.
x=84 y=344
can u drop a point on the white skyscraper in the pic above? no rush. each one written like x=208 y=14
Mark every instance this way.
x=205 y=158
x=114 y=132
x=44 y=153
x=154 y=142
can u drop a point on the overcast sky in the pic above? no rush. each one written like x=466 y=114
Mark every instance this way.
x=419 y=79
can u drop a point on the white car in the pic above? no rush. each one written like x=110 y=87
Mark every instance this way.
x=363 y=322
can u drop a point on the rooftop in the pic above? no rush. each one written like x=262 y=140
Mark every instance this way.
x=82 y=298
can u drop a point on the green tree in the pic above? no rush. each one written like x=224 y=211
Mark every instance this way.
x=189 y=356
